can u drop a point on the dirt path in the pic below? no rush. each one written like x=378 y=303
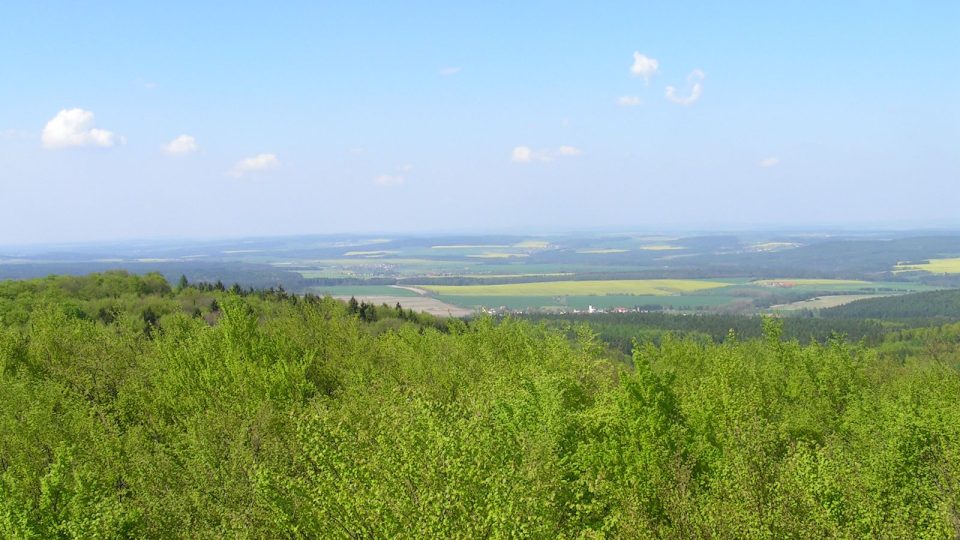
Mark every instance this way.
x=425 y=304
x=417 y=290
x=822 y=302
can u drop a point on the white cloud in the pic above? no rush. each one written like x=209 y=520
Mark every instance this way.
x=769 y=162
x=695 y=78
x=447 y=71
x=525 y=154
x=74 y=127
x=522 y=154
x=260 y=162
x=644 y=66
x=182 y=145
x=150 y=85
x=389 y=180
x=628 y=101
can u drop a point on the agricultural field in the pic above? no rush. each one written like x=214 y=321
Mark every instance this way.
x=652 y=287
x=714 y=295
x=692 y=302
x=795 y=282
x=933 y=266
x=368 y=253
x=660 y=247
x=742 y=273
x=843 y=286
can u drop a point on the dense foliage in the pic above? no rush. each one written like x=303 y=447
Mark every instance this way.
x=620 y=330
x=274 y=415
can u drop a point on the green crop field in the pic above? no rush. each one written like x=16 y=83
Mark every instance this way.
x=842 y=285
x=653 y=287
x=791 y=282
x=681 y=302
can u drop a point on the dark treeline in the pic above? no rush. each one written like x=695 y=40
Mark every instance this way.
x=334 y=282
x=868 y=259
x=271 y=415
x=933 y=304
x=848 y=258
x=150 y=299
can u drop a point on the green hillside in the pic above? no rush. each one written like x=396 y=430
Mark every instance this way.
x=135 y=409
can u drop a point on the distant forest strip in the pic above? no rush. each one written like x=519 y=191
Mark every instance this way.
x=933 y=304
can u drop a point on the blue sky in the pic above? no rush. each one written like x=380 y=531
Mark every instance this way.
x=140 y=120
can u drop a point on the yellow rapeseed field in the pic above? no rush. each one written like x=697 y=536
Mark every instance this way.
x=934 y=266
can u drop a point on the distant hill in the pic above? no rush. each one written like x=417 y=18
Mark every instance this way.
x=944 y=304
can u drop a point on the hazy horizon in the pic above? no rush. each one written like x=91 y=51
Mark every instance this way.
x=180 y=121
x=787 y=230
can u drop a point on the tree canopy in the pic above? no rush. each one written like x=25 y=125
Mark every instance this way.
x=278 y=415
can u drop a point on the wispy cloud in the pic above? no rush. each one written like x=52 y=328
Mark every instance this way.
x=769 y=162
x=260 y=162
x=74 y=127
x=388 y=180
x=394 y=179
x=525 y=154
x=448 y=71
x=13 y=134
x=695 y=79
x=628 y=101
x=182 y=145
x=644 y=66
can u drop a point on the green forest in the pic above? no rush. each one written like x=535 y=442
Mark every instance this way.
x=136 y=408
